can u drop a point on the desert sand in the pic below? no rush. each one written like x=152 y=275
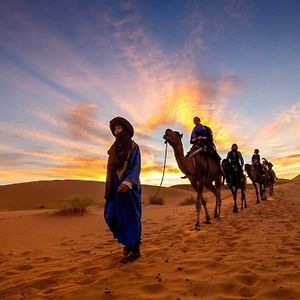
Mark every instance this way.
x=254 y=254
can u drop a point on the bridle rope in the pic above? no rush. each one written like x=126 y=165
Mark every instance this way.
x=163 y=175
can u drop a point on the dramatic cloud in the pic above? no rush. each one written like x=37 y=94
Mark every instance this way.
x=60 y=86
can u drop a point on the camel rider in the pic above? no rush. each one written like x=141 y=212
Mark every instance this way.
x=265 y=164
x=200 y=133
x=256 y=161
x=268 y=168
x=202 y=136
x=272 y=172
x=235 y=158
x=256 y=158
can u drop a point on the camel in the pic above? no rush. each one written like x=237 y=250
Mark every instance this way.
x=270 y=180
x=235 y=181
x=201 y=171
x=256 y=178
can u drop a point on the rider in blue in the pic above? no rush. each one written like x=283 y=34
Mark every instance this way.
x=122 y=210
x=202 y=135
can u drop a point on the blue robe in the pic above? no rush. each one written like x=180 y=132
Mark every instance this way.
x=123 y=211
x=198 y=130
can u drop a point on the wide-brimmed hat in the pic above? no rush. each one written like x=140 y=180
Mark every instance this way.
x=123 y=123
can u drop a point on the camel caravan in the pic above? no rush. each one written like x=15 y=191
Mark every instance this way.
x=203 y=167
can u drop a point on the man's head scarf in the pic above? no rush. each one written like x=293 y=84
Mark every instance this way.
x=123 y=123
x=123 y=142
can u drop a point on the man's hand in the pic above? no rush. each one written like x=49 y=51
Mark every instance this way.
x=123 y=188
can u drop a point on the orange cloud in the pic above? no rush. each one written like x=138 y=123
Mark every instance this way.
x=196 y=98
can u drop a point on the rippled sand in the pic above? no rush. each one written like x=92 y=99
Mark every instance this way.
x=254 y=254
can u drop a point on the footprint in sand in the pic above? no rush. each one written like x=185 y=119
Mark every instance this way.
x=92 y=270
x=84 y=252
x=45 y=259
x=248 y=292
x=281 y=293
x=53 y=273
x=10 y=273
x=98 y=247
x=88 y=280
x=49 y=291
x=154 y=288
x=247 y=279
x=42 y=284
x=68 y=243
x=24 y=267
x=88 y=234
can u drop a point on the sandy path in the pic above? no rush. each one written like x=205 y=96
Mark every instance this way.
x=254 y=254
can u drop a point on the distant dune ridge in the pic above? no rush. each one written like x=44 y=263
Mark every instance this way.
x=31 y=195
x=49 y=194
x=254 y=254
x=297 y=178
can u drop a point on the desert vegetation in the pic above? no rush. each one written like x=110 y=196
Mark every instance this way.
x=75 y=205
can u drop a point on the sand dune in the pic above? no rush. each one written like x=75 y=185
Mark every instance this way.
x=31 y=195
x=49 y=194
x=297 y=178
x=254 y=254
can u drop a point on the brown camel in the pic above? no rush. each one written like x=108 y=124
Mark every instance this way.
x=201 y=170
x=270 y=176
x=257 y=178
x=270 y=180
x=235 y=181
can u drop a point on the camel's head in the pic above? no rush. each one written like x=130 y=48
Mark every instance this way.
x=173 y=137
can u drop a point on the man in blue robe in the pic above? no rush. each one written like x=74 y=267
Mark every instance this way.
x=122 y=210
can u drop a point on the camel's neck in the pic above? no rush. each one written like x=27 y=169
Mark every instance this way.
x=184 y=164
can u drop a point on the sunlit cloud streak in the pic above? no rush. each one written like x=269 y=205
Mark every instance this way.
x=52 y=139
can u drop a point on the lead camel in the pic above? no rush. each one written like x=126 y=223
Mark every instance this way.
x=202 y=171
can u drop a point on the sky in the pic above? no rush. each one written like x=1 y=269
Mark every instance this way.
x=68 y=67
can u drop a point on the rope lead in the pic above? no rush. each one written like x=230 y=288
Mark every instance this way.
x=163 y=175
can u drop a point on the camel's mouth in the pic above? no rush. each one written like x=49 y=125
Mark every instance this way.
x=167 y=134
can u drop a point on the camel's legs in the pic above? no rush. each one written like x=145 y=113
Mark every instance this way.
x=262 y=191
x=234 y=194
x=194 y=183
x=219 y=201
x=271 y=189
x=216 y=190
x=212 y=188
x=207 y=216
x=256 y=191
x=198 y=206
x=243 y=196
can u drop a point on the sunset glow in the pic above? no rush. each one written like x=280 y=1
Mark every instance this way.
x=64 y=76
